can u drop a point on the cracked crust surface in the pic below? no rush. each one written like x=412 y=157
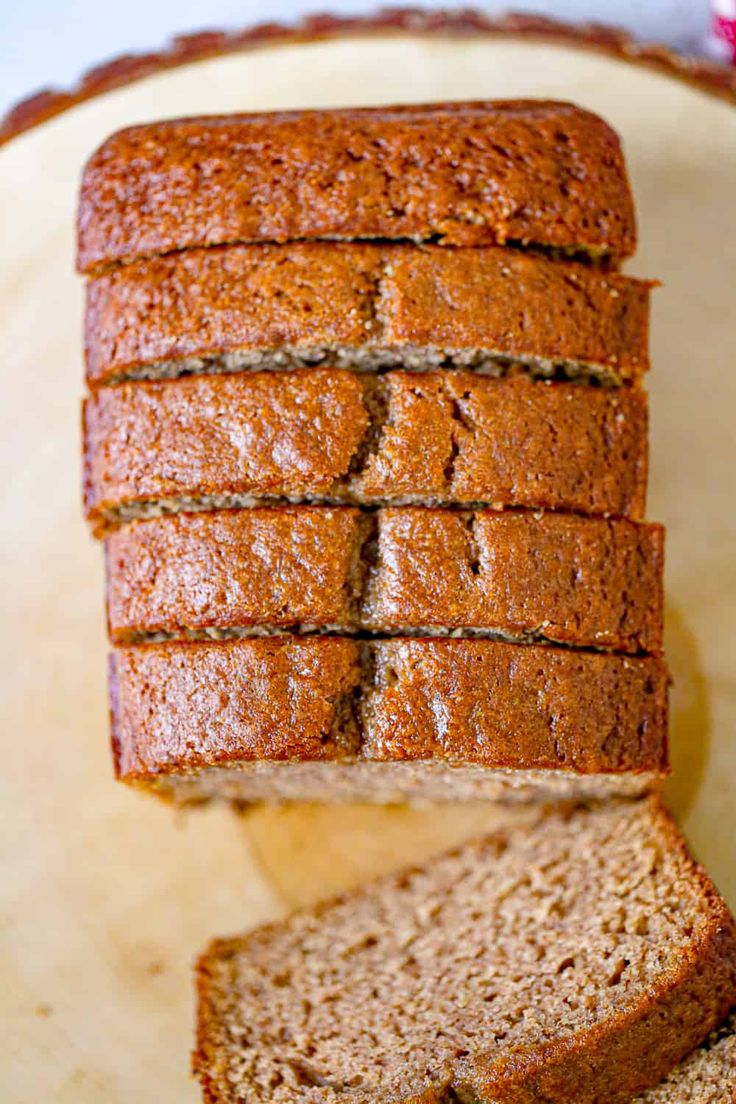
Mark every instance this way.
x=579 y=581
x=576 y=958
x=533 y=172
x=367 y=307
x=324 y=434
x=180 y=707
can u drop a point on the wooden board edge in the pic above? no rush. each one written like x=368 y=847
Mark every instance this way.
x=710 y=77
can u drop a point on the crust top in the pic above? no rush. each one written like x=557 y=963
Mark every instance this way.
x=533 y=172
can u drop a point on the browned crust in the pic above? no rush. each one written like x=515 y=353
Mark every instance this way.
x=580 y=581
x=183 y=311
x=203 y=1054
x=262 y=434
x=513 y=705
x=709 y=77
x=186 y=706
x=414 y=172
x=282 y=567
x=267 y=698
x=610 y=1062
x=436 y=437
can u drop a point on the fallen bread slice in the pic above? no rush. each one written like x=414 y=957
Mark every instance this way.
x=516 y=576
x=508 y=172
x=707 y=1076
x=332 y=435
x=332 y=718
x=574 y=959
x=364 y=307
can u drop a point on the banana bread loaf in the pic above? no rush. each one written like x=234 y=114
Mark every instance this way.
x=333 y=718
x=366 y=307
x=512 y=172
x=516 y=576
x=707 y=1076
x=333 y=435
x=577 y=958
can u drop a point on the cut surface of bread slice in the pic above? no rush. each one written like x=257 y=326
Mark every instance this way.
x=574 y=959
x=332 y=435
x=527 y=172
x=707 y=1076
x=517 y=576
x=365 y=307
x=181 y=710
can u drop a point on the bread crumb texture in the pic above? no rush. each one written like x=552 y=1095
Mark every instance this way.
x=577 y=959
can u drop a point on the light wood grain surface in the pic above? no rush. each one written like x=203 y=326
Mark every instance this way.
x=106 y=896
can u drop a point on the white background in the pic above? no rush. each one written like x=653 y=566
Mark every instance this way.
x=50 y=42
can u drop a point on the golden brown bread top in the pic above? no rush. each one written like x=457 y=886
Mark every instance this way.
x=567 y=579
x=571 y=580
x=364 y=306
x=280 y=567
x=185 y=706
x=469 y=699
x=176 y=705
x=529 y=172
x=436 y=437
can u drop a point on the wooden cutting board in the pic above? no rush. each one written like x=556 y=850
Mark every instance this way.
x=106 y=895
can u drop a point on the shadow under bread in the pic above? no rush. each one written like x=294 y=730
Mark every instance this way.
x=690 y=717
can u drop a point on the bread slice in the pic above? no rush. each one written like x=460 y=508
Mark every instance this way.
x=509 y=172
x=574 y=959
x=365 y=307
x=332 y=435
x=331 y=718
x=707 y=1076
x=516 y=576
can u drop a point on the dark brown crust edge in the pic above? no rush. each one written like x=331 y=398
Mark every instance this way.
x=706 y=980
x=144 y=771
x=710 y=77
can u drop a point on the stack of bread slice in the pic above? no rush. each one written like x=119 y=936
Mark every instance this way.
x=366 y=440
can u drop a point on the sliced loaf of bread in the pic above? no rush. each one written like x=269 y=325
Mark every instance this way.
x=408 y=570
x=322 y=434
x=329 y=718
x=527 y=172
x=365 y=307
x=578 y=958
